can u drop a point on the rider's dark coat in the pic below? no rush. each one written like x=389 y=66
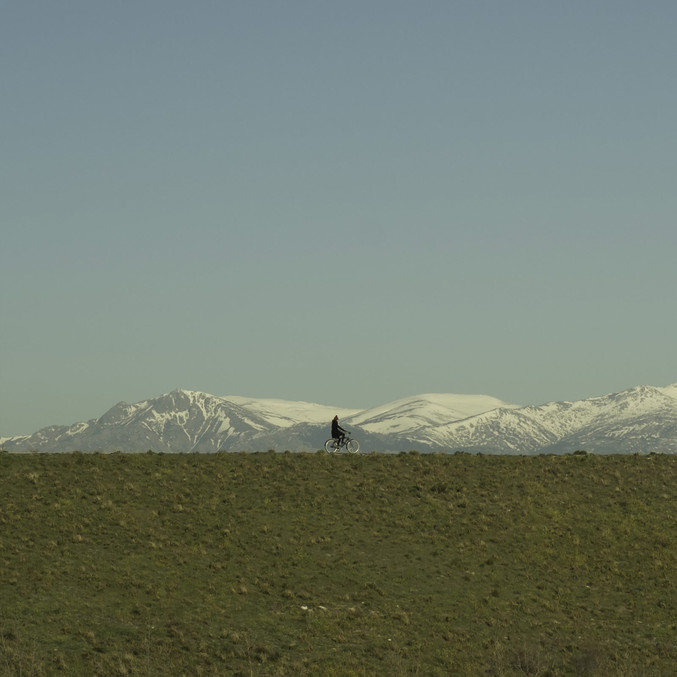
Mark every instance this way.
x=336 y=429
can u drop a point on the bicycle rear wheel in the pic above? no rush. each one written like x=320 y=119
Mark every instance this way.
x=331 y=446
x=353 y=446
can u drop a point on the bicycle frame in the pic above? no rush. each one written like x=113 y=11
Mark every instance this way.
x=335 y=444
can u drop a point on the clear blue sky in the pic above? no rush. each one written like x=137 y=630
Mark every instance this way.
x=340 y=202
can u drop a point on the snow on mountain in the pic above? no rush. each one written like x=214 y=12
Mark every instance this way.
x=563 y=418
x=638 y=420
x=180 y=420
x=496 y=431
x=590 y=424
x=423 y=411
x=566 y=418
x=183 y=420
x=670 y=391
x=285 y=413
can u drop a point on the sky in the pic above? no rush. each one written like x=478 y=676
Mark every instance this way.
x=344 y=203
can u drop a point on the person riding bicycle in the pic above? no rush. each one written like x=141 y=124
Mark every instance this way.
x=337 y=432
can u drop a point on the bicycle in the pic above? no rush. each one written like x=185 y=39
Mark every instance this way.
x=333 y=445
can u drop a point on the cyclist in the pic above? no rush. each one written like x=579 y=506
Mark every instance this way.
x=337 y=432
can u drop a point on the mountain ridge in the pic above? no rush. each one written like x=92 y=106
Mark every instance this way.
x=638 y=420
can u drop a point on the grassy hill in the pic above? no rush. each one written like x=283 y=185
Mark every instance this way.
x=309 y=564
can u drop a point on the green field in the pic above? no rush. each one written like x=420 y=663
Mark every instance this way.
x=310 y=564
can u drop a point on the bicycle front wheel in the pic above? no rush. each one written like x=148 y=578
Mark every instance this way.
x=331 y=446
x=353 y=446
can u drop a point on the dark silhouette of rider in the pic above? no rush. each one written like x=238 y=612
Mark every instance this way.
x=337 y=432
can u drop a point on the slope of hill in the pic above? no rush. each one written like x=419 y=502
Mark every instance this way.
x=309 y=564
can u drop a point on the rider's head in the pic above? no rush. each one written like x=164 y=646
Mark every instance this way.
x=336 y=417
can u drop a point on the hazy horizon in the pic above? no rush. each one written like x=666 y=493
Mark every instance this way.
x=339 y=203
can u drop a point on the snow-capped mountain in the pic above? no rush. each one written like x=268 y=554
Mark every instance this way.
x=182 y=421
x=423 y=411
x=642 y=419
x=639 y=420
